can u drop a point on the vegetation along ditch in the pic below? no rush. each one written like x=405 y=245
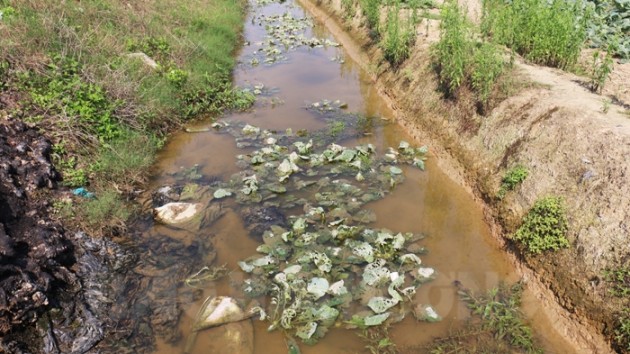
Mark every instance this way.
x=360 y=176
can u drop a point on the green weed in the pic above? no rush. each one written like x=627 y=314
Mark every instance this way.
x=399 y=36
x=550 y=33
x=619 y=280
x=544 y=227
x=601 y=68
x=336 y=128
x=461 y=60
x=453 y=49
x=512 y=178
x=496 y=326
x=80 y=105
x=488 y=65
x=622 y=331
x=371 y=10
x=107 y=205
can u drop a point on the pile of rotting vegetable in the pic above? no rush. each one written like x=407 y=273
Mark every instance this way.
x=323 y=265
x=53 y=292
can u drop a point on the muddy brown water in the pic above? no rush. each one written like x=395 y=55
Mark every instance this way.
x=459 y=243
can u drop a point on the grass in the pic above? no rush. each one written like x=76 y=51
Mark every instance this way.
x=496 y=325
x=105 y=111
x=545 y=32
x=544 y=228
x=622 y=332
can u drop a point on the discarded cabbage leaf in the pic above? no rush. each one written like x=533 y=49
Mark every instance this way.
x=221 y=193
x=318 y=287
x=375 y=320
x=381 y=304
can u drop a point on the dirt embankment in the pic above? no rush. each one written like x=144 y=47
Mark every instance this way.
x=575 y=144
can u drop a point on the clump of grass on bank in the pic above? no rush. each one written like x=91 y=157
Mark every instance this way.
x=544 y=227
x=371 y=10
x=69 y=67
x=461 y=60
x=399 y=36
x=496 y=325
x=545 y=32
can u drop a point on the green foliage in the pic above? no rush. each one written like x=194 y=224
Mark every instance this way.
x=213 y=97
x=610 y=23
x=496 y=326
x=348 y=7
x=453 y=49
x=600 y=69
x=371 y=10
x=546 y=32
x=6 y=12
x=544 y=227
x=62 y=91
x=125 y=159
x=177 y=77
x=153 y=47
x=622 y=331
x=461 y=60
x=72 y=176
x=399 y=36
x=513 y=177
x=619 y=280
x=488 y=65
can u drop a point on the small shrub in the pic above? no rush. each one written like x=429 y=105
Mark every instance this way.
x=544 y=227
x=513 y=177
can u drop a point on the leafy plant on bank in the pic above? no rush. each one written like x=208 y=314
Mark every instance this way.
x=601 y=68
x=544 y=227
x=81 y=105
x=545 y=32
x=400 y=35
x=371 y=11
x=619 y=280
x=512 y=178
x=461 y=60
x=622 y=331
